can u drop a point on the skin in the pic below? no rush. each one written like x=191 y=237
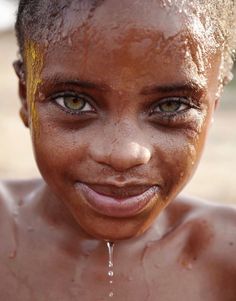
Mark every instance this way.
x=53 y=239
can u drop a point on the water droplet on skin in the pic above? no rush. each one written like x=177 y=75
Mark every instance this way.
x=186 y=264
x=41 y=96
x=12 y=255
x=30 y=229
x=187 y=54
x=70 y=42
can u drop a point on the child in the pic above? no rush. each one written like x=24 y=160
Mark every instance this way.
x=119 y=97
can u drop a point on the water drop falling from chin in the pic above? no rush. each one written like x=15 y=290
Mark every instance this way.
x=110 y=247
x=12 y=255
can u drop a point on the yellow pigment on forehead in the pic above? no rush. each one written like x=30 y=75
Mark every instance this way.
x=34 y=64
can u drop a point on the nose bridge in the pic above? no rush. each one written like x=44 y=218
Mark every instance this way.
x=122 y=146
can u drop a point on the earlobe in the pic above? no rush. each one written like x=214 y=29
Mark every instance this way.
x=24 y=116
x=216 y=104
x=18 y=66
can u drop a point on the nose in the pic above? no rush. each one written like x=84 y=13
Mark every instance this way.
x=121 y=150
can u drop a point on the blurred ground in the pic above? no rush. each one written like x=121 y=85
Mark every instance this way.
x=214 y=180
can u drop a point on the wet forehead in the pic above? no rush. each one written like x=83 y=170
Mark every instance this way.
x=136 y=14
x=125 y=29
x=129 y=39
x=168 y=18
x=112 y=14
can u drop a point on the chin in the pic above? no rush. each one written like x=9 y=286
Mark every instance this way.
x=112 y=235
x=113 y=229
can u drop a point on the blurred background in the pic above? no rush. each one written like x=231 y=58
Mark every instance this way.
x=215 y=178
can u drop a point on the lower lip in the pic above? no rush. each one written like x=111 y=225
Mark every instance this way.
x=113 y=207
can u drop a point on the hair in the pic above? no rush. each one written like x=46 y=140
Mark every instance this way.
x=37 y=16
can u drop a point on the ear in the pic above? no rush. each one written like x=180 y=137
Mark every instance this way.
x=24 y=114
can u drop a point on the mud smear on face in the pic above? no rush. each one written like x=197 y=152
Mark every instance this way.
x=34 y=59
x=216 y=20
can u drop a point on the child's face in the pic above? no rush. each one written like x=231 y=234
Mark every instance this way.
x=121 y=104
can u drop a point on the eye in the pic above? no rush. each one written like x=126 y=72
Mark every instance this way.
x=171 y=106
x=174 y=111
x=74 y=103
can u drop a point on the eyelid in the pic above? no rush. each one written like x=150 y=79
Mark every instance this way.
x=68 y=94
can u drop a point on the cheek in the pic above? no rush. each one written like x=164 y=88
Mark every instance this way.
x=175 y=157
x=57 y=150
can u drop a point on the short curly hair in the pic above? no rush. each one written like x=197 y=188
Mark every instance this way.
x=37 y=16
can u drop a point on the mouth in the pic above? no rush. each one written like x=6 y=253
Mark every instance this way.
x=118 y=202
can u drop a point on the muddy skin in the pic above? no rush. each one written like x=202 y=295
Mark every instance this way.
x=119 y=110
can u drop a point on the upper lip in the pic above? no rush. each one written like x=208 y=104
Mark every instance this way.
x=120 y=191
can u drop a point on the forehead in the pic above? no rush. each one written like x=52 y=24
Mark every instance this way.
x=167 y=15
x=130 y=40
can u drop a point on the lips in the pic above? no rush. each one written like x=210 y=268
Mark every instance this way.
x=117 y=202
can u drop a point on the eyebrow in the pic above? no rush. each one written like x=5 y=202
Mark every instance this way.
x=86 y=84
x=189 y=86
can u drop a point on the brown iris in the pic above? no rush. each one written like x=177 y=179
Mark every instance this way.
x=74 y=103
x=170 y=106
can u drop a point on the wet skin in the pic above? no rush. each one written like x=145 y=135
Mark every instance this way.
x=120 y=143
x=120 y=111
x=187 y=254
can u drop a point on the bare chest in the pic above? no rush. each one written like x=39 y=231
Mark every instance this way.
x=44 y=270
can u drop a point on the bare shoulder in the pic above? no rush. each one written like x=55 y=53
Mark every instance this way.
x=220 y=216
x=12 y=192
x=18 y=188
x=211 y=227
